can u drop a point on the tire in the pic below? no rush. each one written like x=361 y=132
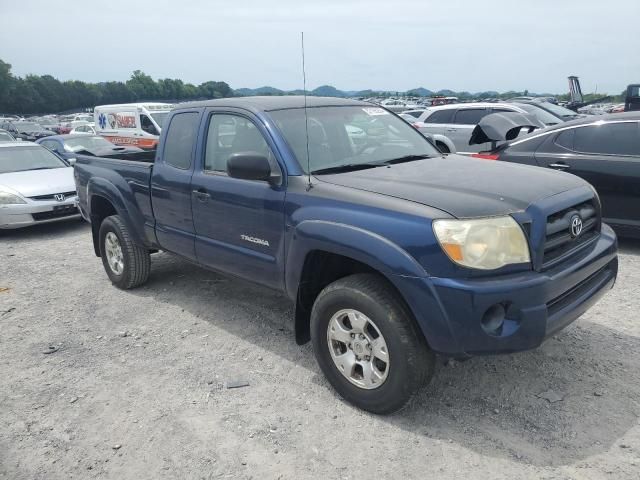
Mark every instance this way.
x=135 y=260
x=410 y=363
x=442 y=147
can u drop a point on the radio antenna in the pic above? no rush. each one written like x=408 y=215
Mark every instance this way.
x=306 y=118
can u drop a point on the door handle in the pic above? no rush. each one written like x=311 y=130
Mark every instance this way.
x=202 y=195
x=559 y=166
x=451 y=129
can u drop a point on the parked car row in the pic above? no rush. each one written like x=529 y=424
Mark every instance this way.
x=457 y=121
x=36 y=186
x=24 y=130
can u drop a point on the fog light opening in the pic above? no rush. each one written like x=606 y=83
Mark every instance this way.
x=493 y=319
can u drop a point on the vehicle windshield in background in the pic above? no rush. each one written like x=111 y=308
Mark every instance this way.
x=542 y=115
x=26 y=127
x=560 y=111
x=88 y=143
x=22 y=159
x=350 y=137
x=159 y=117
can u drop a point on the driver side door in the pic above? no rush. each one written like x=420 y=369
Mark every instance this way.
x=239 y=223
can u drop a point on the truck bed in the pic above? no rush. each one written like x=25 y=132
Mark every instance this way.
x=126 y=176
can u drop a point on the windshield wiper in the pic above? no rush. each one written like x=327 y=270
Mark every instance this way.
x=349 y=167
x=406 y=158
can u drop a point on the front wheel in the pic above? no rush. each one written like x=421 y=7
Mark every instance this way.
x=126 y=263
x=368 y=345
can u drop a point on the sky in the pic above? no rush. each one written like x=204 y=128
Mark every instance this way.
x=383 y=45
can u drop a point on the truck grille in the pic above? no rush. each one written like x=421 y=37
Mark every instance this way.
x=52 y=196
x=560 y=241
x=63 y=211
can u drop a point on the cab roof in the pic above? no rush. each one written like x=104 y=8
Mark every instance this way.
x=267 y=103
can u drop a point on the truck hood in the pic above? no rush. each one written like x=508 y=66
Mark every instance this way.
x=461 y=186
x=32 y=183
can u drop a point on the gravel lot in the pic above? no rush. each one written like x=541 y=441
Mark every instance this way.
x=137 y=388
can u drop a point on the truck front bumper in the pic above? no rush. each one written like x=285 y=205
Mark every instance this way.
x=453 y=313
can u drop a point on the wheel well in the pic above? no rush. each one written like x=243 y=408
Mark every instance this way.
x=442 y=146
x=319 y=270
x=101 y=208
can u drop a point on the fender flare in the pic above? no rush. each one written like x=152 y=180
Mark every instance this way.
x=359 y=244
x=102 y=188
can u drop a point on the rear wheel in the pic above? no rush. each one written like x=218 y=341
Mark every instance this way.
x=367 y=344
x=126 y=263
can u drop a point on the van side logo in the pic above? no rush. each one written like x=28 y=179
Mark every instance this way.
x=259 y=241
x=576 y=226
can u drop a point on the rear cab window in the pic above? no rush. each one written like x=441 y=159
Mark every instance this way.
x=180 y=140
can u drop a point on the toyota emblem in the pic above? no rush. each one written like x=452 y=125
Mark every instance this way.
x=576 y=226
x=59 y=197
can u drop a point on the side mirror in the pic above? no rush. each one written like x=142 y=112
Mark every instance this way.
x=72 y=161
x=249 y=166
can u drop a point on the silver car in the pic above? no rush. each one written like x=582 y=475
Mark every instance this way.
x=457 y=121
x=36 y=186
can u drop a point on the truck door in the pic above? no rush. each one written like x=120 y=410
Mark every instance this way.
x=239 y=223
x=171 y=185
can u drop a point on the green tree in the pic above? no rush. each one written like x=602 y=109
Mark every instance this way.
x=143 y=86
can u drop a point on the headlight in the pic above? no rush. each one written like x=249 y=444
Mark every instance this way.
x=486 y=243
x=7 y=198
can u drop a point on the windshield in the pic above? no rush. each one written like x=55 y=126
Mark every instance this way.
x=6 y=137
x=159 y=117
x=558 y=110
x=87 y=143
x=20 y=159
x=28 y=127
x=353 y=135
x=541 y=114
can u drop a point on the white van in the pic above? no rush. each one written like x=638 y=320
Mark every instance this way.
x=136 y=124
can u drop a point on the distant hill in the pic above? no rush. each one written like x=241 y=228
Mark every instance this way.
x=331 y=91
x=420 y=92
x=328 y=91
x=250 y=92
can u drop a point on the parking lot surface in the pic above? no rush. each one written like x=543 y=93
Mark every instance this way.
x=102 y=383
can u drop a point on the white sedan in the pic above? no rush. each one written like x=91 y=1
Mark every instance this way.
x=89 y=128
x=36 y=186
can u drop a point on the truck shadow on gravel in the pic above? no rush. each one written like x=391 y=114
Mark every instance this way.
x=491 y=405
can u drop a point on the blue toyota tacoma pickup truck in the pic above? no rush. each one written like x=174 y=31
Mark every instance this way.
x=391 y=252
